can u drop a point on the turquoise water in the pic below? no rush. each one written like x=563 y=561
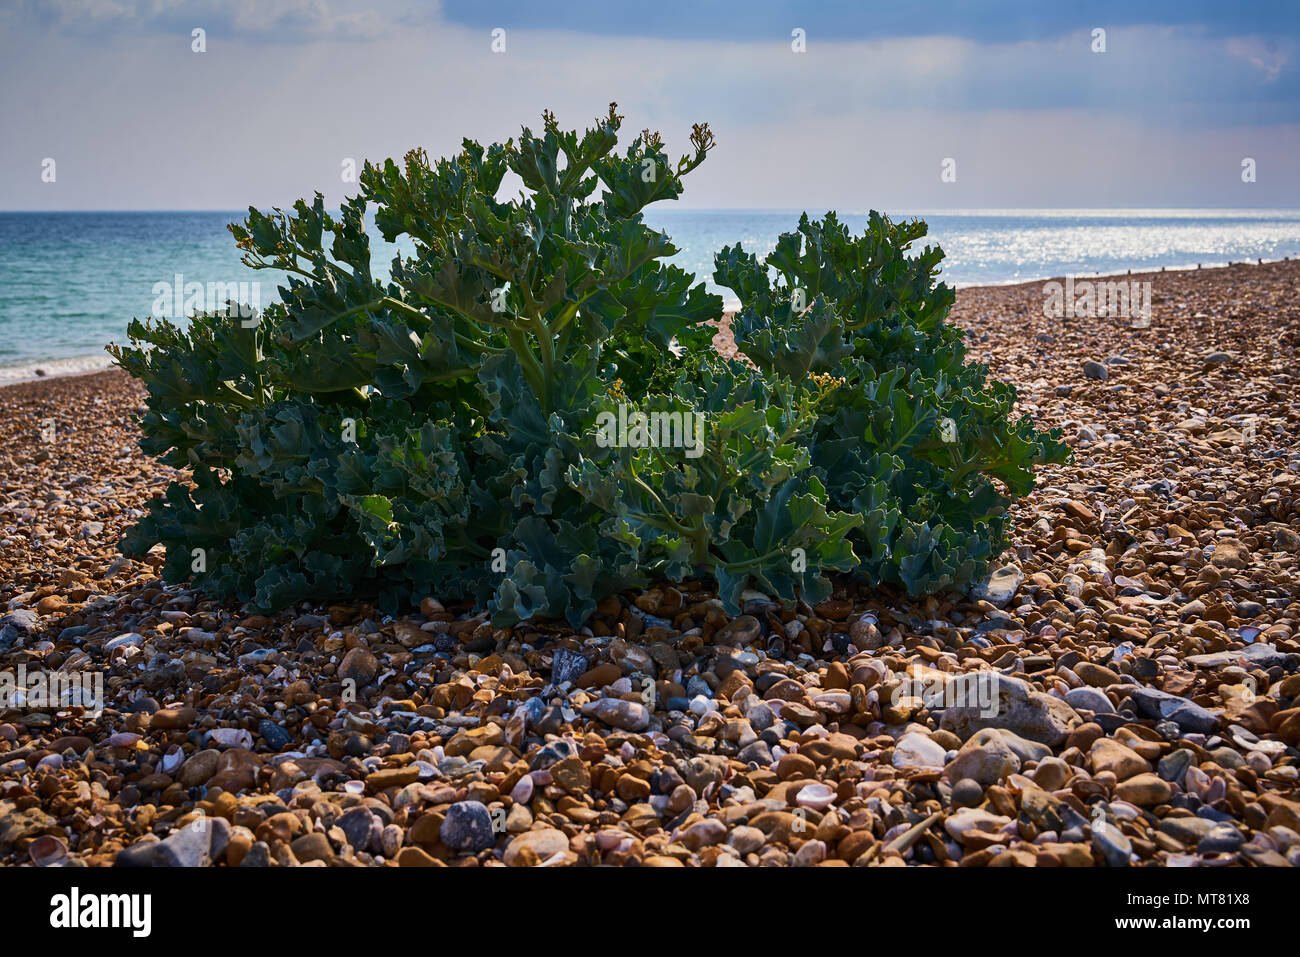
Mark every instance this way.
x=70 y=282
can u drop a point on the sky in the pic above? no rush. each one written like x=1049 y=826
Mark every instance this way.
x=848 y=105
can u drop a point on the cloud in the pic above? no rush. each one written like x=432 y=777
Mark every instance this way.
x=989 y=21
x=1270 y=56
x=284 y=21
x=67 y=13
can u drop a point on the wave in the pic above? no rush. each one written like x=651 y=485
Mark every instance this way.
x=53 y=368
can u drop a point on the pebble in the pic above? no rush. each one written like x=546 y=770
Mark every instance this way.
x=746 y=840
x=361 y=829
x=535 y=846
x=999 y=587
x=567 y=666
x=129 y=640
x=986 y=758
x=1089 y=699
x=1144 y=790
x=1188 y=715
x=467 y=827
x=918 y=751
x=1220 y=839
x=358 y=666
x=967 y=792
x=1114 y=758
x=617 y=713
x=1011 y=703
x=1113 y=845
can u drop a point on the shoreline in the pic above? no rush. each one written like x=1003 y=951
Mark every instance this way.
x=38 y=371
x=92 y=364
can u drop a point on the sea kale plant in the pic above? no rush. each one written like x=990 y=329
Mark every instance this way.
x=529 y=410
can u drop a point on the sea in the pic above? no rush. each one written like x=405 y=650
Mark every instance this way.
x=71 y=281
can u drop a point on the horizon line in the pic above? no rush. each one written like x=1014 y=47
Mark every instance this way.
x=747 y=209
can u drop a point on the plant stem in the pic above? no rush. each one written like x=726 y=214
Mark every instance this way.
x=532 y=368
x=668 y=516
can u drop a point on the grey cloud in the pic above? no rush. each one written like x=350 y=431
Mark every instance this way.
x=281 y=21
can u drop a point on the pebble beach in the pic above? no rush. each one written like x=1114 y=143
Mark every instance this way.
x=1137 y=643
